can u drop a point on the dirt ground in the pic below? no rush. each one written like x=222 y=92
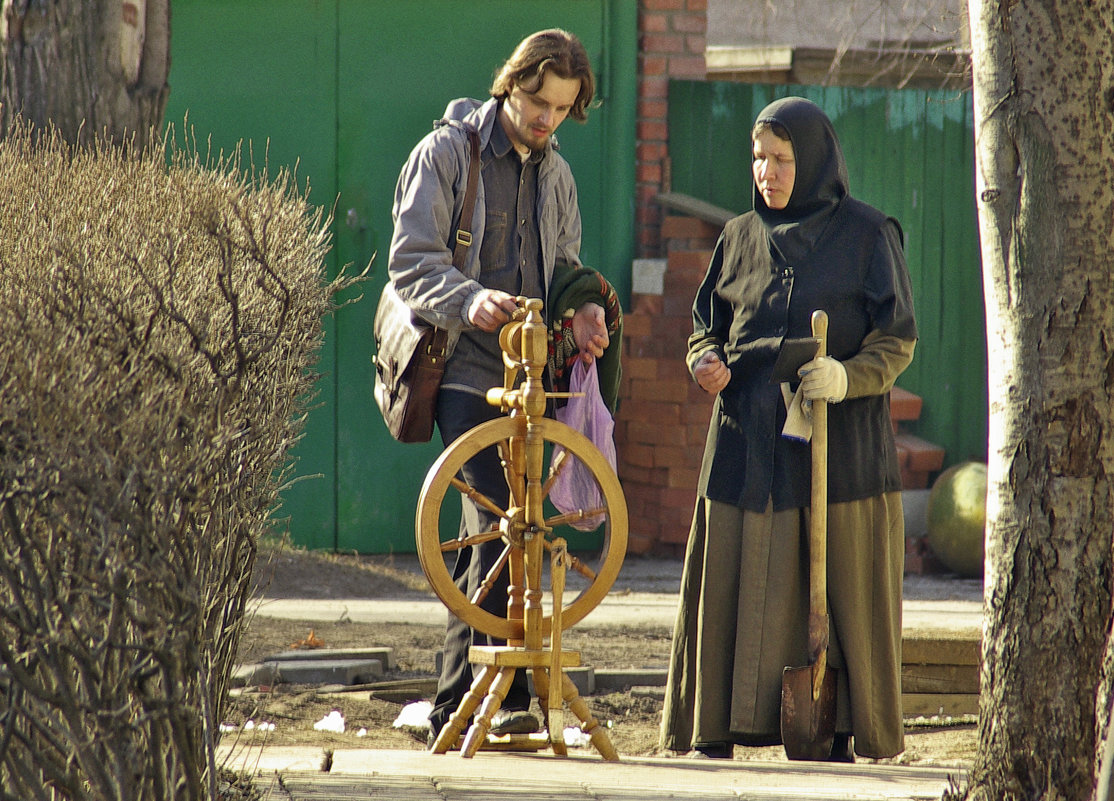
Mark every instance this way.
x=369 y=714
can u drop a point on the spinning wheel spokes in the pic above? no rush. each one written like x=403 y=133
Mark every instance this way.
x=442 y=482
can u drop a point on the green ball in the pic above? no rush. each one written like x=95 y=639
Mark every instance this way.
x=957 y=518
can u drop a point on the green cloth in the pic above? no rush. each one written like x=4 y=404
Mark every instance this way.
x=570 y=289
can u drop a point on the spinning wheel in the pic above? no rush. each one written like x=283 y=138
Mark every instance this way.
x=508 y=435
x=522 y=440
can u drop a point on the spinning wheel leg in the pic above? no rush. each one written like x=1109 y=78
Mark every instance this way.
x=588 y=723
x=482 y=724
x=450 y=733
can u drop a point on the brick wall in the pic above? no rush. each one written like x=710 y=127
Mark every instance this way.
x=670 y=45
x=663 y=416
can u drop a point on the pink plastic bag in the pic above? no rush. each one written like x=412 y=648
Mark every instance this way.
x=575 y=487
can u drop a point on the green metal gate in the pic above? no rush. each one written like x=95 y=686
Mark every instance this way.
x=344 y=89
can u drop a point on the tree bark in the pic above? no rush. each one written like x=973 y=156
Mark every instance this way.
x=87 y=67
x=1044 y=114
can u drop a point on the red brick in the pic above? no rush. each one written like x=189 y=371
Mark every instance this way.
x=655 y=87
x=671 y=454
x=636 y=325
x=653 y=65
x=655 y=23
x=648 y=172
x=663 y=43
x=676 y=535
x=913 y=479
x=689 y=23
x=650 y=130
x=687 y=67
x=645 y=213
x=681 y=226
x=645 y=409
x=650 y=151
x=686 y=478
x=692 y=260
x=640 y=544
x=923 y=455
x=650 y=305
x=662 y=5
x=698 y=411
x=679 y=305
x=695 y=44
x=653 y=110
x=904 y=405
x=699 y=6
x=641 y=369
x=673 y=370
x=638 y=455
x=632 y=474
x=656 y=390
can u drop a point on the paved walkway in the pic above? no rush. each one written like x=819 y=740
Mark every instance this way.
x=422 y=776
x=418 y=775
x=645 y=593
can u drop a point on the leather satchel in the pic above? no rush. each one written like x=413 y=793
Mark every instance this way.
x=410 y=354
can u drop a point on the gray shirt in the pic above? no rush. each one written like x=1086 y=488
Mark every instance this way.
x=510 y=256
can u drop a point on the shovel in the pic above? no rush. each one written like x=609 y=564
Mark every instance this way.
x=808 y=694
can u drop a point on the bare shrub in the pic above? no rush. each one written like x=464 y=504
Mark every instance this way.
x=159 y=320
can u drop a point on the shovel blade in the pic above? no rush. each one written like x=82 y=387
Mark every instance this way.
x=807 y=725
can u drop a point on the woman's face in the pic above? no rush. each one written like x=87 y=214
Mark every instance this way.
x=774 y=169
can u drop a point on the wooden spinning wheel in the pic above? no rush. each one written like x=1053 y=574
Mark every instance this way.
x=508 y=435
x=537 y=609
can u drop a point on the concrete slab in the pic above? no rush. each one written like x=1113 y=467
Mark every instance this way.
x=420 y=775
x=614 y=679
x=380 y=654
x=332 y=671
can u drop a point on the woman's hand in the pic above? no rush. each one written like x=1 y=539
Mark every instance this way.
x=824 y=378
x=589 y=330
x=711 y=373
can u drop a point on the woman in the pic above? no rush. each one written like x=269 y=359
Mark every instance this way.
x=742 y=616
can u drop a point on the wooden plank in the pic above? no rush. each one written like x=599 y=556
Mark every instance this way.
x=695 y=207
x=940 y=651
x=940 y=678
x=928 y=704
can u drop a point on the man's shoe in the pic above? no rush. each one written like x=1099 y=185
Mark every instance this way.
x=514 y=721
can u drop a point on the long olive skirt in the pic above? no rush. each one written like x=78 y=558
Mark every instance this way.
x=742 y=619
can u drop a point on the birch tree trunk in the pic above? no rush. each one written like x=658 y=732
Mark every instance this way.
x=85 y=66
x=1044 y=127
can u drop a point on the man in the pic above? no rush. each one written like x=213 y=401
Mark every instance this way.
x=526 y=241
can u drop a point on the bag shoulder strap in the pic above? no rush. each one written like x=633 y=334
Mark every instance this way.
x=463 y=236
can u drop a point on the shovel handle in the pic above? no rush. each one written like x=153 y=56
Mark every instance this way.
x=818 y=528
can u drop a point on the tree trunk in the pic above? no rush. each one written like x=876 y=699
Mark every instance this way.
x=86 y=66
x=1044 y=113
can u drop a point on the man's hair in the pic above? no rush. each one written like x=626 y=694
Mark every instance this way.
x=556 y=51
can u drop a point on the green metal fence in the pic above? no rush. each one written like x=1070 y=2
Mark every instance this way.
x=911 y=154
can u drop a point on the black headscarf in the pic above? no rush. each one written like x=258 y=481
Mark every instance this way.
x=820 y=183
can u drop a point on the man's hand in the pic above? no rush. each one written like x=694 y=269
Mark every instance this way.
x=589 y=329
x=490 y=309
x=711 y=373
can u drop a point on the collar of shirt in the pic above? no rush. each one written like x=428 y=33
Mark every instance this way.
x=499 y=144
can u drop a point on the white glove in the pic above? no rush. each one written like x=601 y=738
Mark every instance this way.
x=824 y=378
